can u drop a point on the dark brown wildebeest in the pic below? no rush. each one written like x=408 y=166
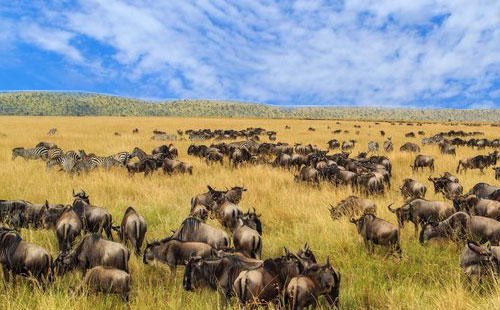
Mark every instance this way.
x=135 y=130
x=348 y=145
x=375 y=230
x=193 y=229
x=318 y=280
x=353 y=206
x=370 y=183
x=19 y=257
x=235 y=194
x=146 y=165
x=33 y=214
x=226 y=212
x=478 y=162
x=107 y=280
x=497 y=173
x=239 y=155
x=446 y=148
x=479 y=260
x=412 y=189
x=283 y=160
x=217 y=273
x=382 y=133
x=449 y=189
x=173 y=252
x=207 y=199
x=420 y=211
x=422 y=161
x=171 y=166
x=311 y=129
x=199 y=211
x=307 y=174
x=410 y=135
x=173 y=151
x=94 y=219
x=461 y=225
x=247 y=239
x=476 y=205
x=483 y=190
x=93 y=251
x=409 y=147
x=214 y=156
x=66 y=223
x=133 y=229
x=333 y=144
x=266 y=283
x=450 y=177
x=12 y=212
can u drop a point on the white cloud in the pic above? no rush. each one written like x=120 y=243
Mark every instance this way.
x=364 y=52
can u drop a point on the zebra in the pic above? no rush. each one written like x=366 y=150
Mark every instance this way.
x=122 y=157
x=105 y=162
x=66 y=161
x=53 y=153
x=39 y=152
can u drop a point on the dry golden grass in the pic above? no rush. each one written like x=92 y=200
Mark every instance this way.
x=426 y=278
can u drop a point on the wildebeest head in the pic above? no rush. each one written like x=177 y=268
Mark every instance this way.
x=252 y=220
x=335 y=212
x=402 y=213
x=81 y=195
x=325 y=274
x=193 y=267
x=306 y=256
x=429 y=231
x=216 y=195
x=148 y=255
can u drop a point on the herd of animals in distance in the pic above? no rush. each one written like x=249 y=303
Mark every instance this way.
x=229 y=259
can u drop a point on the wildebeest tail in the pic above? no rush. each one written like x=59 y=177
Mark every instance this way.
x=137 y=238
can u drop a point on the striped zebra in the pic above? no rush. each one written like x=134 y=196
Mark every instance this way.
x=104 y=162
x=39 y=152
x=53 y=153
x=122 y=157
x=66 y=161
x=250 y=145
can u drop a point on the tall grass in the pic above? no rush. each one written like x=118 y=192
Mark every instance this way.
x=425 y=278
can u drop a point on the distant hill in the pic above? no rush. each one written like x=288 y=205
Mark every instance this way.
x=89 y=104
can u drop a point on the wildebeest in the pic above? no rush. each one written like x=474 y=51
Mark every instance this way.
x=445 y=186
x=446 y=148
x=214 y=156
x=497 y=173
x=375 y=230
x=193 y=229
x=266 y=283
x=235 y=194
x=419 y=211
x=478 y=162
x=173 y=252
x=460 y=226
x=12 y=212
x=318 y=280
x=348 y=145
x=217 y=273
x=171 y=165
x=412 y=189
x=333 y=144
x=93 y=251
x=94 y=219
x=422 y=161
x=409 y=147
x=353 y=206
x=199 y=211
x=135 y=130
x=207 y=199
x=146 y=165
x=226 y=212
x=410 y=135
x=371 y=183
x=19 y=257
x=107 y=280
x=282 y=160
x=477 y=205
x=66 y=223
x=133 y=229
x=247 y=239
x=307 y=174
x=479 y=260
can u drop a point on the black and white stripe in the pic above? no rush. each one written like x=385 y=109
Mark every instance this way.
x=39 y=152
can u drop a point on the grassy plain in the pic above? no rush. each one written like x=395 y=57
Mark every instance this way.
x=425 y=278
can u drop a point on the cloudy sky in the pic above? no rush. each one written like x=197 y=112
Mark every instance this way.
x=424 y=53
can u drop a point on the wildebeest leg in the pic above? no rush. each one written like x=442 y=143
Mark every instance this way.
x=416 y=228
x=5 y=274
x=173 y=270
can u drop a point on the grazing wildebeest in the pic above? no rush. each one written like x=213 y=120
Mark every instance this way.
x=266 y=283
x=422 y=161
x=419 y=211
x=19 y=257
x=193 y=229
x=133 y=229
x=173 y=252
x=375 y=230
x=318 y=280
x=93 y=251
x=66 y=223
x=409 y=147
x=217 y=273
x=107 y=280
x=479 y=260
x=412 y=189
x=478 y=162
x=333 y=144
x=448 y=188
x=353 y=206
x=94 y=219
x=307 y=174
x=446 y=148
x=171 y=165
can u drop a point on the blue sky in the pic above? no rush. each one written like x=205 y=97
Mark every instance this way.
x=390 y=53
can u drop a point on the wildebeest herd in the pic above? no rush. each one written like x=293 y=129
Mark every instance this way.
x=230 y=260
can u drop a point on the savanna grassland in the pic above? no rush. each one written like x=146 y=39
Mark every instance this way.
x=425 y=278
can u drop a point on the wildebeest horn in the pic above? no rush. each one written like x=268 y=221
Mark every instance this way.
x=352 y=220
x=286 y=250
x=253 y=209
x=73 y=192
x=328 y=260
x=389 y=207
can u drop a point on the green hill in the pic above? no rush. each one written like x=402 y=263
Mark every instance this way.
x=89 y=104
